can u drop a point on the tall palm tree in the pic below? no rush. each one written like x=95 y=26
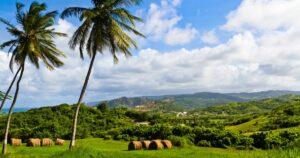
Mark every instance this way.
x=103 y=27
x=33 y=40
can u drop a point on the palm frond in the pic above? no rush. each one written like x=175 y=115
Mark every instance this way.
x=7 y=23
x=34 y=38
x=72 y=11
x=105 y=26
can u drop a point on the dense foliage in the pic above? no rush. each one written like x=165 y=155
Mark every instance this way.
x=125 y=124
x=284 y=117
x=56 y=122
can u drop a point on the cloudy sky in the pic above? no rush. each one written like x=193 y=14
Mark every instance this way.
x=191 y=46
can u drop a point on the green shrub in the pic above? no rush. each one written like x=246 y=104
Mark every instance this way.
x=182 y=130
x=270 y=140
x=118 y=137
x=204 y=143
x=107 y=137
x=245 y=141
x=178 y=141
x=134 y=138
x=125 y=137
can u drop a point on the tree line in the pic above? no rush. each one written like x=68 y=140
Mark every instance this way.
x=121 y=124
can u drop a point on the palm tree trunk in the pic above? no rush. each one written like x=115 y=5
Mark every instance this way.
x=4 y=148
x=9 y=88
x=72 y=143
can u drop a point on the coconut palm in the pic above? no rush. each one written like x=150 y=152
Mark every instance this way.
x=103 y=28
x=33 y=40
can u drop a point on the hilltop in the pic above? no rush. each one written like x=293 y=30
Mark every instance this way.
x=191 y=101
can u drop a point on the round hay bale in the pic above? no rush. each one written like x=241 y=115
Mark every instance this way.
x=34 y=142
x=135 y=145
x=146 y=143
x=59 y=141
x=156 y=145
x=47 y=142
x=167 y=144
x=15 y=142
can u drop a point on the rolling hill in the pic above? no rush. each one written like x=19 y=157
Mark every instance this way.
x=193 y=101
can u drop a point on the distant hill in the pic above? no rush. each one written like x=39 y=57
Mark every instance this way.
x=251 y=107
x=263 y=94
x=194 y=101
x=271 y=114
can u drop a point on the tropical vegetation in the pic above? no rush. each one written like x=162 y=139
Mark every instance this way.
x=103 y=28
x=263 y=124
x=33 y=40
x=205 y=130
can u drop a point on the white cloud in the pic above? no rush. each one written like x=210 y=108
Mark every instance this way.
x=264 y=15
x=181 y=35
x=210 y=37
x=176 y=2
x=246 y=62
x=161 y=24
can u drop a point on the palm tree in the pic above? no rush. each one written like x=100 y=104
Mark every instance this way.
x=103 y=27
x=33 y=39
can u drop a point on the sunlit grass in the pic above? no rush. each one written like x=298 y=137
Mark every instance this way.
x=98 y=148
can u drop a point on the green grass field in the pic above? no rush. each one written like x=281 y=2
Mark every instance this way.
x=250 y=126
x=98 y=148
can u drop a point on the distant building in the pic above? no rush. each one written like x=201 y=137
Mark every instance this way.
x=180 y=114
x=142 y=123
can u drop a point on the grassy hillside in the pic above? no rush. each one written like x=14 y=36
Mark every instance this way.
x=285 y=114
x=252 y=107
x=118 y=149
x=263 y=94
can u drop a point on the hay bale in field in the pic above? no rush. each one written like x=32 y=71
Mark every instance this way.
x=15 y=142
x=156 y=145
x=59 y=141
x=47 y=142
x=167 y=144
x=135 y=145
x=34 y=142
x=146 y=143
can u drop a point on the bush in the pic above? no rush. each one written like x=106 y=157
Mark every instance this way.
x=181 y=130
x=118 y=137
x=134 y=139
x=125 y=137
x=247 y=142
x=107 y=137
x=204 y=143
x=269 y=140
x=178 y=141
x=114 y=133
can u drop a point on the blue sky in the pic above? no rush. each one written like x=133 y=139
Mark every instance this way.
x=203 y=15
x=191 y=46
